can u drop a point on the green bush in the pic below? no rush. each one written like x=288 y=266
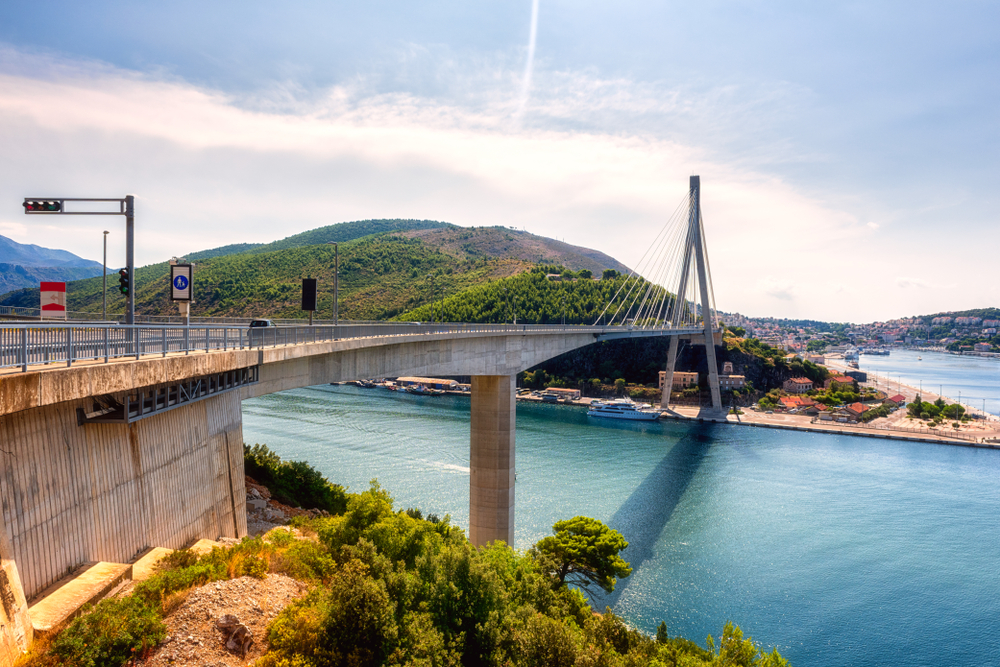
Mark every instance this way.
x=116 y=630
x=294 y=483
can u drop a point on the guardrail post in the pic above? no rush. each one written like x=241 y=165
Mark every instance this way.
x=163 y=339
x=24 y=350
x=187 y=340
x=206 y=338
x=136 y=335
x=69 y=346
x=106 y=351
x=225 y=338
x=241 y=337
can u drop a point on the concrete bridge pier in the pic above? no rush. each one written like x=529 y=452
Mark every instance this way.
x=491 y=459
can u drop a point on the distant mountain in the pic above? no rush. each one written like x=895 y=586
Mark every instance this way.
x=15 y=277
x=25 y=266
x=12 y=252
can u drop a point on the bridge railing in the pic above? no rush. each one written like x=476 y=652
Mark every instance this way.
x=26 y=345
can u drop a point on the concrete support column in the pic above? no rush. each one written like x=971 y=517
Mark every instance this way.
x=668 y=377
x=491 y=459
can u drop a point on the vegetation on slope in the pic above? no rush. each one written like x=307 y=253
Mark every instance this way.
x=392 y=588
x=489 y=242
x=380 y=276
x=531 y=298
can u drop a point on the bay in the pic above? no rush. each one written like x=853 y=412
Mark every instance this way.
x=838 y=550
x=976 y=380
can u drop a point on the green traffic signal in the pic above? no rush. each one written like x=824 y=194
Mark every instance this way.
x=123 y=281
x=42 y=206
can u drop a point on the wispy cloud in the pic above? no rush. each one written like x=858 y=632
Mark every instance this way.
x=210 y=169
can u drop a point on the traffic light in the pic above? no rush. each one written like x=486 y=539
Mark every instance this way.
x=123 y=282
x=42 y=206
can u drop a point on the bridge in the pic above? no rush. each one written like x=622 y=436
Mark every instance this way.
x=117 y=438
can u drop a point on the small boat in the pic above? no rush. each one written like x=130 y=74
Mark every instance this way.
x=920 y=358
x=423 y=391
x=622 y=408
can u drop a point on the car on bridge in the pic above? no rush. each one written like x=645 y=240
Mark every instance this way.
x=257 y=331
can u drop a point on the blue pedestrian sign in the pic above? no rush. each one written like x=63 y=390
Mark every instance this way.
x=180 y=282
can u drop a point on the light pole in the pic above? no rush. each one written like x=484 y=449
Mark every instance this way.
x=431 y=276
x=104 y=278
x=336 y=279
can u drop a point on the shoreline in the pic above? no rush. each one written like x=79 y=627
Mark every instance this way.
x=889 y=385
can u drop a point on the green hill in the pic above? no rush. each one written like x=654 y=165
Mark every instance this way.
x=338 y=233
x=532 y=297
x=394 y=271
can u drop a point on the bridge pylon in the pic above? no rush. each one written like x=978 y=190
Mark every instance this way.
x=694 y=265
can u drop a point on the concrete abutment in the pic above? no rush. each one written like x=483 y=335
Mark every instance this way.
x=73 y=494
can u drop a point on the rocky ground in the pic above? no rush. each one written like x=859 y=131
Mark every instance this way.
x=198 y=630
x=265 y=513
x=224 y=623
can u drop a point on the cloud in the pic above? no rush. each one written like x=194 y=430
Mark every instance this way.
x=873 y=225
x=906 y=283
x=779 y=288
x=209 y=169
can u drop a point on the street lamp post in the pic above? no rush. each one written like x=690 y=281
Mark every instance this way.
x=336 y=279
x=104 y=278
x=431 y=276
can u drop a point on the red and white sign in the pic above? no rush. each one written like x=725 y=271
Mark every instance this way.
x=53 y=300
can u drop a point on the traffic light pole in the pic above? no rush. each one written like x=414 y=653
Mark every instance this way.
x=126 y=207
x=130 y=258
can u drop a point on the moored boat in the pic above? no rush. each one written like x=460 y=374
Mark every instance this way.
x=622 y=408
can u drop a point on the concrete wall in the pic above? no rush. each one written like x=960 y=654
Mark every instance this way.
x=104 y=492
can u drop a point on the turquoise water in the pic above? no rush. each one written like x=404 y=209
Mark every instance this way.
x=976 y=380
x=838 y=550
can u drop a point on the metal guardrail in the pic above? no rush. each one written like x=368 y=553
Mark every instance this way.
x=25 y=345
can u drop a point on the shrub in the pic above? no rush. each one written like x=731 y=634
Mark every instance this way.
x=294 y=483
x=116 y=630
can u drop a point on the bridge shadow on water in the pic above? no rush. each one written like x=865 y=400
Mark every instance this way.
x=644 y=515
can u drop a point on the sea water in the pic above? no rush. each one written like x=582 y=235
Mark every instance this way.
x=838 y=550
x=974 y=380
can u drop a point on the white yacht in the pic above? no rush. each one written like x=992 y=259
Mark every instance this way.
x=623 y=408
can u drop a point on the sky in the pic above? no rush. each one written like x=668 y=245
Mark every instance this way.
x=849 y=152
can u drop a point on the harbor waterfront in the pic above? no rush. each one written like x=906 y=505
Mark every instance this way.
x=837 y=550
x=975 y=380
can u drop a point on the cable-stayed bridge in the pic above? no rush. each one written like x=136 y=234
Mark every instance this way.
x=119 y=438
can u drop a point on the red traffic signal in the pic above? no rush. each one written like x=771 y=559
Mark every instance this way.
x=42 y=206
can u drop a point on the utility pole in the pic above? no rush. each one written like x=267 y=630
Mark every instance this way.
x=336 y=279
x=104 y=278
x=431 y=276
x=130 y=258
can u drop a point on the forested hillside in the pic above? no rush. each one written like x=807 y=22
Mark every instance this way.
x=530 y=298
x=381 y=275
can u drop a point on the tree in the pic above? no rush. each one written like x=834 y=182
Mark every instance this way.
x=739 y=332
x=609 y=274
x=584 y=552
x=585 y=274
x=661 y=633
